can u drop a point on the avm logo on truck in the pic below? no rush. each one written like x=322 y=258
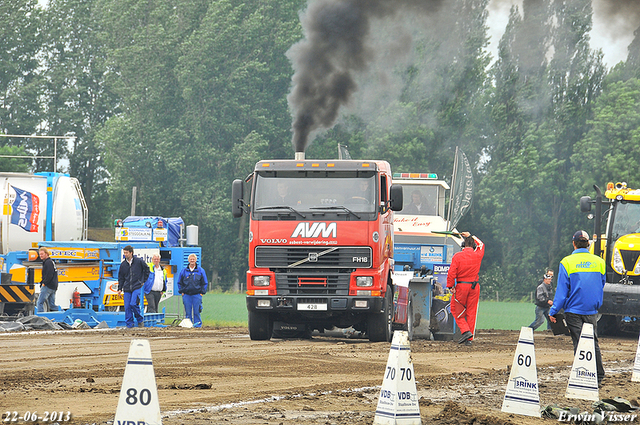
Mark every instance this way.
x=314 y=230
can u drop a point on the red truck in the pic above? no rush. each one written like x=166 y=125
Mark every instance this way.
x=320 y=246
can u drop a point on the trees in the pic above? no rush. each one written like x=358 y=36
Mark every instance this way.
x=202 y=88
x=541 y=111
x=20 y=88
x=77 y=99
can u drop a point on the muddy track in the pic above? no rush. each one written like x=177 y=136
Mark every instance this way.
x=212 y=375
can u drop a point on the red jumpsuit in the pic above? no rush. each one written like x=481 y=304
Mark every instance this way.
x=464 y=269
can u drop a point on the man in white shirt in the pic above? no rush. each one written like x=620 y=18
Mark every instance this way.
x=155 y=285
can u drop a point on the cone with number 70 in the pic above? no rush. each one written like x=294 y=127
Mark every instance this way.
x=398 y=401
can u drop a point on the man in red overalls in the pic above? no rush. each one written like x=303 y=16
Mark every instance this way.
x=462 y=281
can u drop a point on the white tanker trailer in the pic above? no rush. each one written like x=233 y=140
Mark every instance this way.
x=36 y=208
x=40 y=207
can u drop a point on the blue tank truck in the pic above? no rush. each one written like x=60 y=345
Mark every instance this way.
x=49 y=210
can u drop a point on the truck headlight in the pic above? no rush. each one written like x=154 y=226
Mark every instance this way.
x=364 y=281
x=261 y=280
x=618 y=265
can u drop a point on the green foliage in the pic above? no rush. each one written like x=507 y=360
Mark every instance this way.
x=541 y=112
x=20 y=81
x=78 y=102
x=14 y=165
x=611 y=150
x=180 y=97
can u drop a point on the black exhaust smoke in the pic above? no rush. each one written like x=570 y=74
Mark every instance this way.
x=334 y=49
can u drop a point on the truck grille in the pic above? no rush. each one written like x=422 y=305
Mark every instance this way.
x=285 y=257
x=629 y=258
x=310 y=283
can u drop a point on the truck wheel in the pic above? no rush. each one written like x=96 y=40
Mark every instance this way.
x=260 y=326
x=409 y=325
x=380 y=324
x=608 y=325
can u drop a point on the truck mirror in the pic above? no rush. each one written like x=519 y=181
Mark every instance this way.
x=237 y=198
x=395 y=202
x=585 y=204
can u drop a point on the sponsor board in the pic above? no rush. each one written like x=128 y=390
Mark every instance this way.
x=431 y=254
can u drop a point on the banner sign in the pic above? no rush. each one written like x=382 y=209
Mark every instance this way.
x=25 y=210
x=462 y=190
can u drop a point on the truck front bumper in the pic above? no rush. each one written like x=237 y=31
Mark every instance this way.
x=620 y=300
x=316 y=305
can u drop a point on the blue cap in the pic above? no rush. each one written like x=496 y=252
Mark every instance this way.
x=580 y=235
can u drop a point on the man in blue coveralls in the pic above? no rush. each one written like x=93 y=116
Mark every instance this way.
x=192 y=284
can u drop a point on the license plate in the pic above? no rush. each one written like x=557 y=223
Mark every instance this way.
x=312 y=307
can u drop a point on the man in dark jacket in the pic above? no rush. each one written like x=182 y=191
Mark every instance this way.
x=192 y=284
x=132 y=275
x=49 y=282
x=544 y=301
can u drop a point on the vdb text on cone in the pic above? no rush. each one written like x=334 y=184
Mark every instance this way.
x=398 y=400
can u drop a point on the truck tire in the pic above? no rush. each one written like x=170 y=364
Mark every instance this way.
x=608 y=325
x=409 y=325
x=380 y=324
x=260 y=326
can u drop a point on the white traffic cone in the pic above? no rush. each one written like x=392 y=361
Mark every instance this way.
x=186 y=323
x=583 y=380
x=398 y=400
x=522 y=396
x=635 y=377
x=139 y=395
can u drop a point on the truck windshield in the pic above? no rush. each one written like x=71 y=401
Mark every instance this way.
x=627 y=219
x=356 y=194
x=419 y=200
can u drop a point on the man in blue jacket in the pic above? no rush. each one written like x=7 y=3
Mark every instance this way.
x=579 y=292
x=132 y=275
x=192 y=284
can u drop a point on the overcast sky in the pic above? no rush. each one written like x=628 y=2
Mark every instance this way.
x=611 y=35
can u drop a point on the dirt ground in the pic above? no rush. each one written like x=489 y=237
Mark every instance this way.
x=215 y=376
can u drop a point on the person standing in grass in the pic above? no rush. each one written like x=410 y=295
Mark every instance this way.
x=192 y=285
x=543 y=301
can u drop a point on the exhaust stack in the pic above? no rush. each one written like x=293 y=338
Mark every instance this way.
x=299 y=156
